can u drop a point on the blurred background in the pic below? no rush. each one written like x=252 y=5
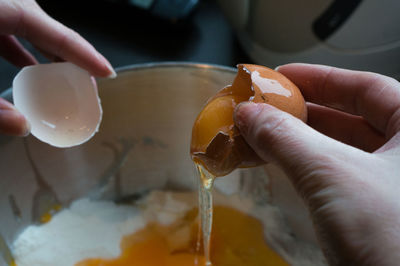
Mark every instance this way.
x=355 y=34
x=126 y=33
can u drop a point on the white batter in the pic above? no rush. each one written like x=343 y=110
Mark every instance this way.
x=91 y=229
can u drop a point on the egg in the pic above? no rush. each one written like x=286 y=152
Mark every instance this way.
x=216 y=142
x=60 y=101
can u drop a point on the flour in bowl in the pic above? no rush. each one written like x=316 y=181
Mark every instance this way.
x=94 y=229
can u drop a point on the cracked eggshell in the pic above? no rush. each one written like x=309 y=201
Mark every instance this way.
x=60 y=101
x=216 y=141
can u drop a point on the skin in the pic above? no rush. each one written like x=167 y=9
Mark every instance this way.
x=25 y=19
x=345 y=163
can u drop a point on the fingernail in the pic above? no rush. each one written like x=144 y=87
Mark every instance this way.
x=113 y=74
x=27 y=129
x=242 y=104
x=241 y=114
x=277 y=68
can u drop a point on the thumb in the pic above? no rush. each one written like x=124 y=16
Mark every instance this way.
x=301 y=151
x=12 y=122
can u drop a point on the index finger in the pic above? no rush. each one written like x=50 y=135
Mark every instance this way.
x=29 y=21
x=372 y=96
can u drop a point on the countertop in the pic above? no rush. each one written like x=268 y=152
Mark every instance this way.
x=127 y=35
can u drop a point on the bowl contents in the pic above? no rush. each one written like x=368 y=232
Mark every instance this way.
x=60 y=101
x=217 y=148
x=162 y=229
x=216 y=143
x=172 y=228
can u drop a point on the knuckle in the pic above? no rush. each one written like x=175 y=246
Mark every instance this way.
x=393 y=126
x=377 y=81
x=73 y=35
x=322 y=87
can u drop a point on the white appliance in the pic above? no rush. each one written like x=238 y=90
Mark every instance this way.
x=355 y=34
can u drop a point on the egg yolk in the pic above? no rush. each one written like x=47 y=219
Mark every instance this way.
x=216 y=117
x=47 y=216
x=236 y=239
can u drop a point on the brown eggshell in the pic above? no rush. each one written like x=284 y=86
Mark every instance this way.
x=274 y=88
x=216 y=142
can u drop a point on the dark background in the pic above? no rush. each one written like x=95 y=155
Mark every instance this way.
x=128 y=35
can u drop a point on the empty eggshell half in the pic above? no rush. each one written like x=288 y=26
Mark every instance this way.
x=60 y=101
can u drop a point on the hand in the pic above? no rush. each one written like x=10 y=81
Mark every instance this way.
x=26 y=19
x=345 y=163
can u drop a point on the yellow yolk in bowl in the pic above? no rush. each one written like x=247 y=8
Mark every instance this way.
x=237 y=239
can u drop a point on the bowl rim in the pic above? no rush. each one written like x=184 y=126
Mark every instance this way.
x=7 y=93
x=197 y=65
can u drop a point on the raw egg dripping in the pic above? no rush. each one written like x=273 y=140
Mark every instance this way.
x=216 y=142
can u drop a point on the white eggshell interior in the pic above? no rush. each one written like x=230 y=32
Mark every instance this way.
x=60 y=101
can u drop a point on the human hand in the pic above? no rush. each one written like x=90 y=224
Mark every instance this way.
x=345 y=163
x=24 y=18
